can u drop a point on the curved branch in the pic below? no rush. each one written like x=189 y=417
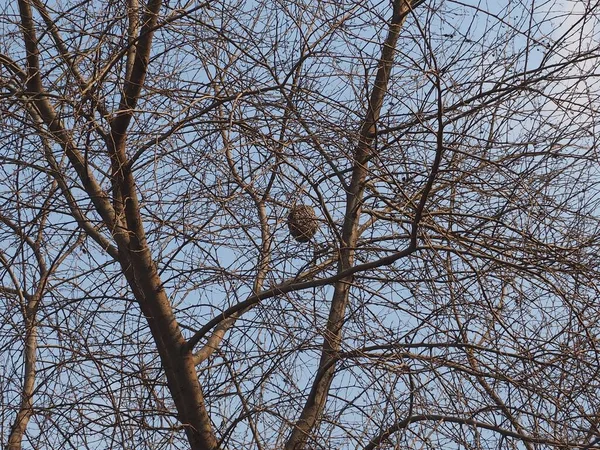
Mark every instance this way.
x=402 y=424
x=292 y=286
x=315 y=402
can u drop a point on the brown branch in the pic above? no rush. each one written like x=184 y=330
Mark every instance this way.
x=134 y=255
x=124 y=188
x=133 y=9
x=292 y=286
x=17 y=431
x=30 y=307
x=135 y=82
x=56 y=172
x=317 y=397
x=36 y=94
x=138 y=265
x=70 y=62
x=402 y=424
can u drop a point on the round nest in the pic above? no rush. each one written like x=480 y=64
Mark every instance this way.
x=302 y=222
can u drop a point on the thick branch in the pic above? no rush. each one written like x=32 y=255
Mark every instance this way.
x=135 y=81
x=48 y=116
x=315 y=402
x=134 y=254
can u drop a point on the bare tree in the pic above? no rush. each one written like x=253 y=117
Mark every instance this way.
x=152 y=295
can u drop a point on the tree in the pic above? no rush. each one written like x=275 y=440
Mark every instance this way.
x=152 y=295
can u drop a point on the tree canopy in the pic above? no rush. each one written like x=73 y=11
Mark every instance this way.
x=156 y=293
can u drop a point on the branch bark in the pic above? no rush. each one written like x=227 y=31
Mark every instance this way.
x=317 y=397
x=402 y=424
x=125 y=223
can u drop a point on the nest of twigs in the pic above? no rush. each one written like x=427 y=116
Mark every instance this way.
x=302 y=222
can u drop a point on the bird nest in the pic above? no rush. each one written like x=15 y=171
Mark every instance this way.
x=302 y=222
